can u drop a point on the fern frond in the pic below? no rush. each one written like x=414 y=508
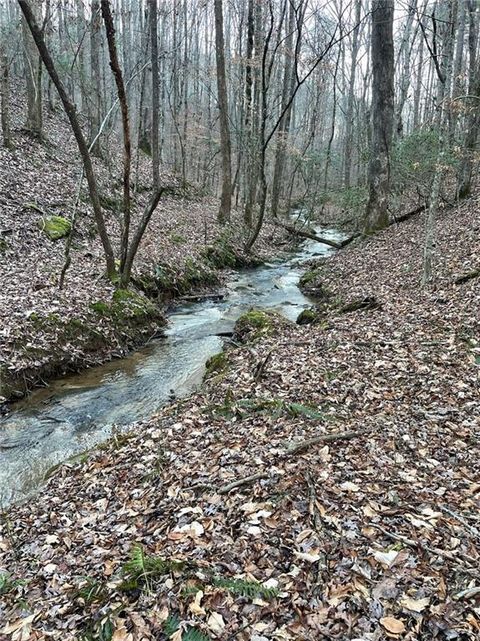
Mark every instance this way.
x=244 y=588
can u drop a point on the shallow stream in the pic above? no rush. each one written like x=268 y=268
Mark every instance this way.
x=78 y=411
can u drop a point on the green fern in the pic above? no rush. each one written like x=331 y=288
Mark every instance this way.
x=306 y=411
x=242 y=587
x=91 y=591
x=7 y=584
x=171 y=625
x=141 y=565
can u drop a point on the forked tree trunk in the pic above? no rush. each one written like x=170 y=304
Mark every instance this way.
x=225 y=144
x=127 y=151
x=376 y=215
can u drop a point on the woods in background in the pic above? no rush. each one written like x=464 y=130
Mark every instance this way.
x=353 y=104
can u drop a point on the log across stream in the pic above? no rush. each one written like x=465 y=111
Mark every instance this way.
x=79 y=411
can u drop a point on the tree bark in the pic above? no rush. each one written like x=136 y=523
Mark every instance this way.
x=5 y=98
x=96 y=93
x=376 y=215
x=33 y=73
x=155 y=93
x=225 y=144
x=351 y=99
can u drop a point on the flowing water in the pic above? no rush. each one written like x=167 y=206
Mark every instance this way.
x=76 y=412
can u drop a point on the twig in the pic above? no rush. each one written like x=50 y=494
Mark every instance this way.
x=324 y=438
x=473 y=530
x=243 y=481
x=432 y=550
x=260 y=369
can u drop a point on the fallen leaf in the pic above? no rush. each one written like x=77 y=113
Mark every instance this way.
x=395 y=626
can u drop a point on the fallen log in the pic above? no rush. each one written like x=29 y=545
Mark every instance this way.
x=464 y=278
x=310 y=235
x=409 y=214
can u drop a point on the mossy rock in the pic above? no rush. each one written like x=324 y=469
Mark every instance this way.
x=255 y=323
x=55 y=227
x=3 y=245
x=311 y=284
x=216 y=364
x=308 y=316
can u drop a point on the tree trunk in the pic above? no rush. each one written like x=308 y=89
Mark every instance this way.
x=225 y=145
x=33 y=73
x=284 y=127
x=5 y=98
x=127 y=152
x=74 y=123
x=155 y=92
x=464 y=179
x=96 y=92
x=351 y=99
x=376 y=216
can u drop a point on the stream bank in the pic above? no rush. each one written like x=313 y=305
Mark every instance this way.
x=76 y=412
x=324 y=484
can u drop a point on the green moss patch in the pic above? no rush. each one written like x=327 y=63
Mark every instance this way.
x=55 y=227
x=255 y=323
x=216 y=364
x=308 y=316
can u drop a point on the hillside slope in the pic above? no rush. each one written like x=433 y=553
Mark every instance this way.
x=325 y=483
x=44 y=330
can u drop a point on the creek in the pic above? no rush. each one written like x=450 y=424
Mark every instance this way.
x=76 y=412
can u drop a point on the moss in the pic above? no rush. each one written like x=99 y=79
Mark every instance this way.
x=55 y=227
x=178 y=239
x=3 y=245
x=216 y=364
x=311 y=284
x=100 y=307
x=254 y=324
x=168 y=281
x=308 y=316
x=126 y=304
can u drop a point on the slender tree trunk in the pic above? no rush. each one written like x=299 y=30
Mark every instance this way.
x=464 y=179
x=155 y=92
x=127 y=152
x=225 y=144
x=74 y=123
x=5 y=98
x=96 y=93
x=377 y=216
x=33 y=72
x=349 y=117
x=283 y=129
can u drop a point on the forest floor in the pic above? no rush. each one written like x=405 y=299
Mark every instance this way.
x=323 y=484
x=44 y=330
